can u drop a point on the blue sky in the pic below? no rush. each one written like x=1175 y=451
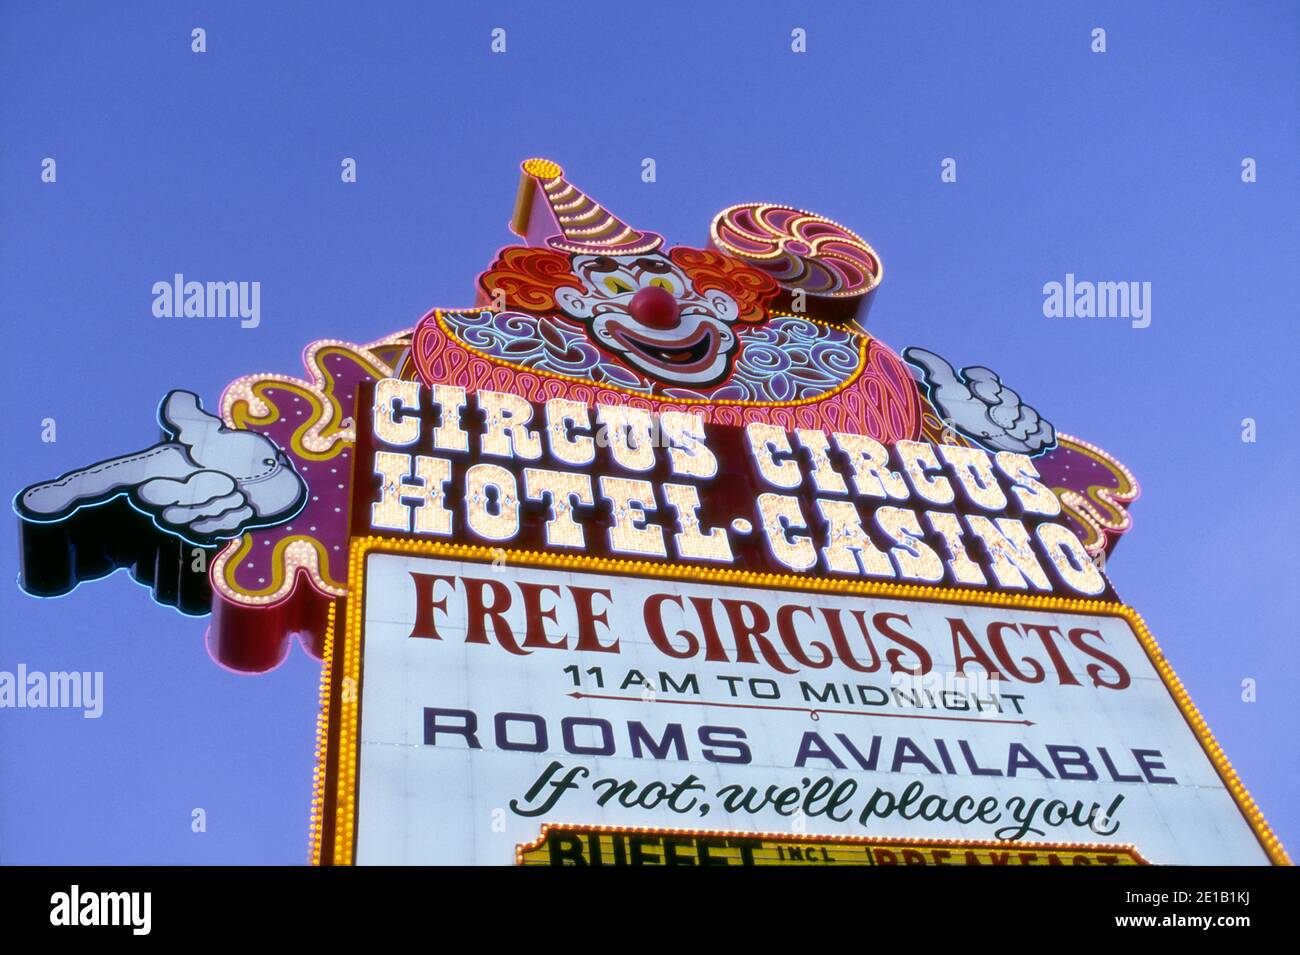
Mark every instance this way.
x=225 y=165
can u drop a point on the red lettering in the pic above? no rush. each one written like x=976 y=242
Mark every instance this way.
x=1121 y=678
x=709 y=630
x=998 y=642
x=841 y=641
x=747 y=633
x=1044 y=633
x=785 y=627
x=961 y=635
x=881 y=622
x=477 y=613
x=425 y=605
x=654 y=625
x=588 y=639
x=536 y=617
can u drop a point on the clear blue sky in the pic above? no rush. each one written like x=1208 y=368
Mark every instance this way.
x=225 y=166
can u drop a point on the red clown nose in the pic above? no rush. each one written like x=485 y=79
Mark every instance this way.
x=654 y=307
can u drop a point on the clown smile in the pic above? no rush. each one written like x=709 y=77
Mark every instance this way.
x=700 y=350
x=696 y=352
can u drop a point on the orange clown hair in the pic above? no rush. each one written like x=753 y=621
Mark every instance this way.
x=528 y=278
x=708 y=271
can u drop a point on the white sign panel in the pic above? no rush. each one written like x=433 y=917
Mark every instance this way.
x=498 y=698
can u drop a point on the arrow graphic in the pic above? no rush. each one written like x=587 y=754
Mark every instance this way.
x=813 y=712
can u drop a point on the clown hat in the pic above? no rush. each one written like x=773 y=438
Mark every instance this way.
x=551 y=211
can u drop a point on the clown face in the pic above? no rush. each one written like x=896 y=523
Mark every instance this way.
x=645 y=310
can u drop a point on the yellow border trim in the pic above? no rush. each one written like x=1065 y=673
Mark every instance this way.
x=316 y=830
x=344 y=783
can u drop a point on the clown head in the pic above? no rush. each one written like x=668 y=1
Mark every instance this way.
x=672 y=317
x=648 y=313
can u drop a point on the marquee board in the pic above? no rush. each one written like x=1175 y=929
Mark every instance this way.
x=469 y=746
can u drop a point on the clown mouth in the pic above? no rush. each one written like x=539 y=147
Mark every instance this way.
x=685 y=355
x=676 y=355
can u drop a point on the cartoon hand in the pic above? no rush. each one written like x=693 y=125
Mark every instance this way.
x=977 y=404
x=206 y=483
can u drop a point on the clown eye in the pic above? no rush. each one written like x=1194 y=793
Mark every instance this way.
x=617 y=286
x=663 y=283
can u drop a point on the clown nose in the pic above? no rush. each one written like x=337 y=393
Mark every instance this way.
x=654 y=307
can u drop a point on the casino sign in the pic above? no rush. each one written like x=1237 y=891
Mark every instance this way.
x=653 y=555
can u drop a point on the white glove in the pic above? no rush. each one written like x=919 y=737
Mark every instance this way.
x=207 y=483
x=978 y=405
